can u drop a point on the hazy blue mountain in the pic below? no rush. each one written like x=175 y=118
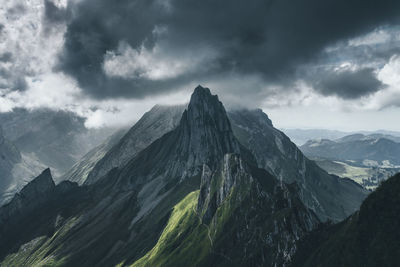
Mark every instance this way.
x=301 y=136
x=365 y=150
x=56 y=139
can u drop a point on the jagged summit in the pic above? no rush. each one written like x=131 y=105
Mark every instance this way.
x=201 y=89
x=29 y=197
x=206 y=130
x=202 y=99
x=41 y=184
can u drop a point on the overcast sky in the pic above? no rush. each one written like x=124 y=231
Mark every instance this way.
x=331 y=64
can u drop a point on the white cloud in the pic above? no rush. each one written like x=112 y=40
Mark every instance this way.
x=158 y=63
x=59 y=92
x=378 y=36
x=23 y=36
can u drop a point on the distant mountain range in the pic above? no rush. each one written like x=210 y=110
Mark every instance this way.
x=374 y=150
x=367 y=159
x=301 y=136
x=185 y=186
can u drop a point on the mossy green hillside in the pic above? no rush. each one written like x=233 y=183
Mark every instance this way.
x=184 y=240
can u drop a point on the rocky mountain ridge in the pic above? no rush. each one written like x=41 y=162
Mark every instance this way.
x=197 y=195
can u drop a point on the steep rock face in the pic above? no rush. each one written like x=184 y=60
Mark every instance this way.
x=257 y=220
x=203 y=136
x=329 y=196
x=240 y=217
x=205 y=130
x=155 y=123
x=370 y=237
x=216 y=186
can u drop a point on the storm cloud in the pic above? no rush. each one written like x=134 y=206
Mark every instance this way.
x=349 y=84
x=53 y=13
x=271 y=39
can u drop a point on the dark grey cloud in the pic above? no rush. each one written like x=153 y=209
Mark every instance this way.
x=16 y=11
x=53 y=13
x=348 y=84
x=271 y=39
x=5 y=57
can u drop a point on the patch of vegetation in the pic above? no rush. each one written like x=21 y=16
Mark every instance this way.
x=36 y=252
x=184 y=241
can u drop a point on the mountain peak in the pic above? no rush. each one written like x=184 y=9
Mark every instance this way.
x=207 y=129
x=202 y=94
x=201 y=89
x=41 y=184
x=203 y=136
x=34 y=193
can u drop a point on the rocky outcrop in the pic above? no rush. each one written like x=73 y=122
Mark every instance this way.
x=217 y=185
x=32 y=195
x=35 y=212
